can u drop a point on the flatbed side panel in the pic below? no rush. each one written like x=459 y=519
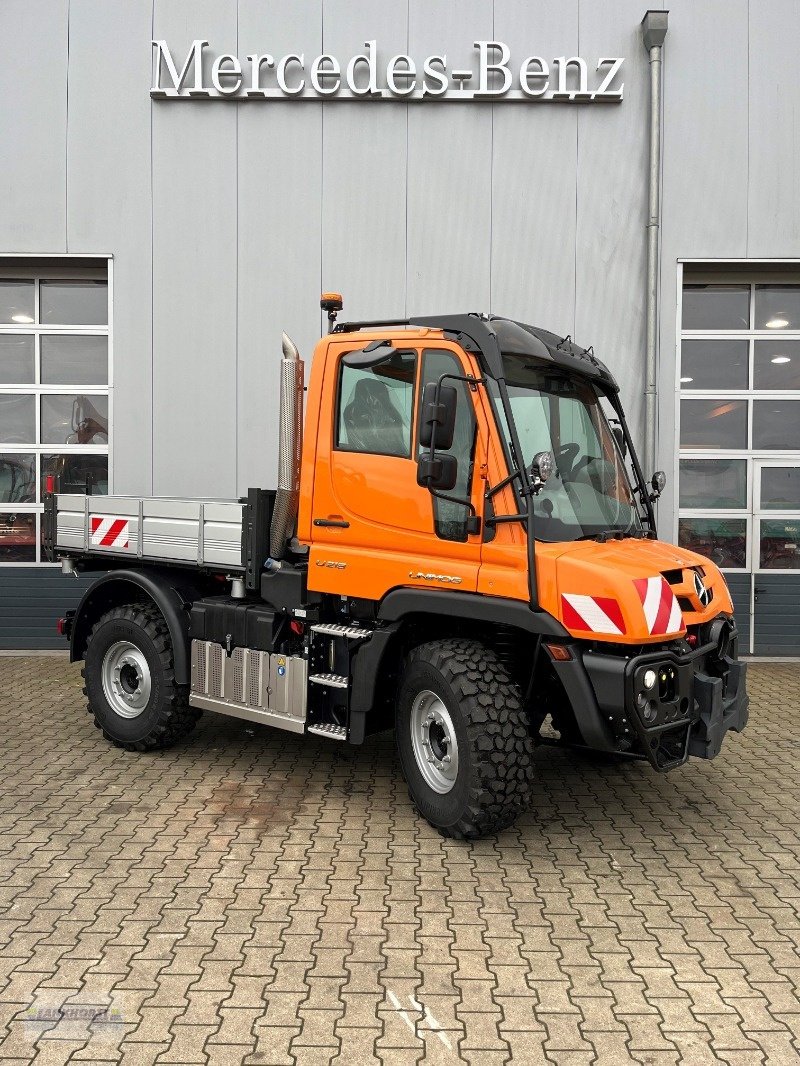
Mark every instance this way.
x=155 y=529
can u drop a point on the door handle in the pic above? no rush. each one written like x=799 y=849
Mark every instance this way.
x=337 y=523
x=756 y=590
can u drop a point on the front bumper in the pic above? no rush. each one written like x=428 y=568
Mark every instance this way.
x=704 y=695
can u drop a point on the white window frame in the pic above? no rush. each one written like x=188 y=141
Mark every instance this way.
x=11 y=263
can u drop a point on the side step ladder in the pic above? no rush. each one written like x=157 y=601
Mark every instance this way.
x=329 y=657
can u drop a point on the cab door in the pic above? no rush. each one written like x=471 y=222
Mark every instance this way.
x=373 y=528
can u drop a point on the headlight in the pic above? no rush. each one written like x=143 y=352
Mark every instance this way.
x=649 y=679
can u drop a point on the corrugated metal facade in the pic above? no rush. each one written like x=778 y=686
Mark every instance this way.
x=226 y=219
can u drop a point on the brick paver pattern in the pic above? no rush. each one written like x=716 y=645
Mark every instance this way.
x=254 y=897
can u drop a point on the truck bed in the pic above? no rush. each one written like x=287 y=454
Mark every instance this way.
x=206 y=533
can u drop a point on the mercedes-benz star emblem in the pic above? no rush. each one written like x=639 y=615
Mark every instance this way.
x=701 y=590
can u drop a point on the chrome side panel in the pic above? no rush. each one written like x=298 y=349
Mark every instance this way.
x=254 y=685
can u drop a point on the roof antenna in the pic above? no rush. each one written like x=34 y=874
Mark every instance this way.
x=332 y=303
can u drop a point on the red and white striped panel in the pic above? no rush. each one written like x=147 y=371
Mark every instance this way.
x=661 y=610
x=594 y=614
x=108 y=532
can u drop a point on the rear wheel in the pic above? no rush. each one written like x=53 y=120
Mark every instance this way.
x=463 y=739
x=130 y=681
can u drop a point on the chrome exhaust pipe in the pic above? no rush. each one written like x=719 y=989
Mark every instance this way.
x=290 y=446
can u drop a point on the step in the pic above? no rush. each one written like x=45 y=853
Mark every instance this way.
x=331 y=680
x=328 y=729
x=333 y=629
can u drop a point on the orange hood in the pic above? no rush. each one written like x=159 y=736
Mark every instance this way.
x=628 y=591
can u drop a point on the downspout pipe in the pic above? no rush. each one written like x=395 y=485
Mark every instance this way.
x=654 y=30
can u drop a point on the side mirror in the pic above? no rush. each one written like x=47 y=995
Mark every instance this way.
x=441 y=415
x=438 y=471
x=542 y=467
x=658 y=481
x=622 y=444
x=373 y=355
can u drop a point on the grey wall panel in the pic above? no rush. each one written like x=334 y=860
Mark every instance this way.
x=33 y=98
x=449 y=170
x=194 y=269
x=108 y=203
x=774 y=130
x=364 y=171
x=610 y=251
x=534 y=178
x=32 y=599
x=280 y=184
x=705 y=198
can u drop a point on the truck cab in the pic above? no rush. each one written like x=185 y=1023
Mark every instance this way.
x=461 y=546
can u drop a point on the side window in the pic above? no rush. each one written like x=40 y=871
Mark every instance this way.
x=450 y=519
x=375 y=406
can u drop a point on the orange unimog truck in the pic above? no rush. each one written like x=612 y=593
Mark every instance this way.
x=461 y=546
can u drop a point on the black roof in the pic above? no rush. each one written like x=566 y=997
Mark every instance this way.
x=492 y=336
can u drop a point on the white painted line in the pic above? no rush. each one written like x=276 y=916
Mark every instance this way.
x=402 y=1013
x=432 y=1022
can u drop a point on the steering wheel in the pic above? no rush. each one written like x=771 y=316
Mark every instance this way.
x=566 y=455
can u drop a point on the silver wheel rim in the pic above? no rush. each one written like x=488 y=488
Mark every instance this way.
x=433 y=738
x=126 y=679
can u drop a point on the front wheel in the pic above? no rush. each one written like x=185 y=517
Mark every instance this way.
x=130 y=682
x=463 y=739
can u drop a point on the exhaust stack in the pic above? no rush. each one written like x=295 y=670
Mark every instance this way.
x=290 y=445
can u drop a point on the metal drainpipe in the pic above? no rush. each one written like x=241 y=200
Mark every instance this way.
x=654 y=30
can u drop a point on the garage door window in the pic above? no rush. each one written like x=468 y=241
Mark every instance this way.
x=54 y=396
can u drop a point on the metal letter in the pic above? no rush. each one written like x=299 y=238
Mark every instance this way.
x=256 y=62
x=372 y=80
x=439 y=76
x=408 y=74
x=485 y=67
x=332 y=74
x=281 y=74
x=217 y=74
x=527 y=75
x=603 y=88
x=563 y=65
x=195 y=56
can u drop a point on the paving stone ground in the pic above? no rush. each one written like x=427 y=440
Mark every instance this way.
x=251 y=897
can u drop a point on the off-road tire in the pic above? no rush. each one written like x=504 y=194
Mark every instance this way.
x=167 y=716
x=495 y=750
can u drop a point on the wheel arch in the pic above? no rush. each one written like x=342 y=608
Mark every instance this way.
x=415 y=616
x=120 y=587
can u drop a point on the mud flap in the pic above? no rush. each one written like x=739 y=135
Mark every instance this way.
x=720 y=707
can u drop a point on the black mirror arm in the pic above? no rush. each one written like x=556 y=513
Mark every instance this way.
x=641 y=485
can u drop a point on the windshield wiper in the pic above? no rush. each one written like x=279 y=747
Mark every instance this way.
x=605 y=535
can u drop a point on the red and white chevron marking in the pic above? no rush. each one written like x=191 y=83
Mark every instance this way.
x=661 y=610
x=594 y=614
x=108 y=532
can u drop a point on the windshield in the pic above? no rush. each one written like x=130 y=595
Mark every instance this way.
x=590 y=492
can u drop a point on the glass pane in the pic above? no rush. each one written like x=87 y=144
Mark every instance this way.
x=74 y=420
x=72 y=472
x=713 y=423
x=16 y=359
x=74 y=360
x=776 y=424
x=724 y=540
x=73 y=303
x=777 y=307
x=716 y=307
x=714 y=364
x=16 y=301
x=375 y=406
x=780 y=488
x=779 y=547
x=713 y=483
x=17 y=478
x=776 y=364
x=17 y=420
x=17 y=538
